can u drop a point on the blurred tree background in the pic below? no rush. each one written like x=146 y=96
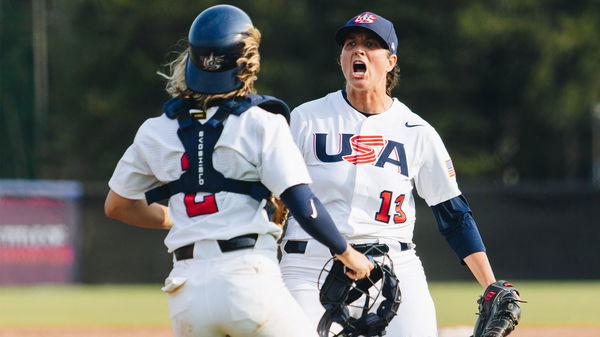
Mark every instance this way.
x=512 y=86
x=509 y=84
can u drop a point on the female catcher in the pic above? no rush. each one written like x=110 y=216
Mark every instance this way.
x=217 y=154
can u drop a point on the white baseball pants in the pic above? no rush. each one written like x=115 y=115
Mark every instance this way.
x=237 y=294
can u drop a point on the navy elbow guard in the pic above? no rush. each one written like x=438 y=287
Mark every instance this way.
x=456 y=224
x=312 y=216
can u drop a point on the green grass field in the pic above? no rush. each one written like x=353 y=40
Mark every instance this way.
x=550 y=303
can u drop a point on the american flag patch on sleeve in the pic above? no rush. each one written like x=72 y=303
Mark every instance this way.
x=450 y=167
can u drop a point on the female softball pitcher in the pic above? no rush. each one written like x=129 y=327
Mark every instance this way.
x=366 y=152
x=216 y=154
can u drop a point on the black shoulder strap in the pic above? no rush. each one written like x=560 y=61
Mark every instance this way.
x=239 y=105
x=175 y=106
x=271 y=104
x=236 y=106
x=199 y=141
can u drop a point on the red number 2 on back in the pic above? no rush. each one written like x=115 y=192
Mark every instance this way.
x=208 y=205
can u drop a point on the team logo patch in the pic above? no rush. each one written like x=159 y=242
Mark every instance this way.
x=450 y=167
x=212 y=62
x=365 y=18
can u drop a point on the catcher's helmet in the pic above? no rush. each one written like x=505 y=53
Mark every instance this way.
x=216 y=41
x=339 y=292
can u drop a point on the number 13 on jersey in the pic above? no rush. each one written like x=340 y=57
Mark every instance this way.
x=383 y=215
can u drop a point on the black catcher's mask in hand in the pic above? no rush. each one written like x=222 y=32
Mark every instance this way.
x=339 y=291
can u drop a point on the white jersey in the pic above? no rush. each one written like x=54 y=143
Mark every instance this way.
x=255 y=146
x=364 y=169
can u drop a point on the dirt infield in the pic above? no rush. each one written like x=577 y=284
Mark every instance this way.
x=166 y=332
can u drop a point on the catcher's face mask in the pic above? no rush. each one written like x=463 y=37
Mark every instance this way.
x=339 y=291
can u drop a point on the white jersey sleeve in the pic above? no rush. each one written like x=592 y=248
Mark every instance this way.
x=138 y=179
x=268 y=147
x=141 y=166
x=435 y=182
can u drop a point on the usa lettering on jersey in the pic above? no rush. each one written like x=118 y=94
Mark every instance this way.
x=363 y=149
x=363 y=145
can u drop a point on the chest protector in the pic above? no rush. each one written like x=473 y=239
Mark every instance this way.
x=199 y=141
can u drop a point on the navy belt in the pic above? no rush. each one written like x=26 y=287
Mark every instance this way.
x=236 y=243
x=299 y=247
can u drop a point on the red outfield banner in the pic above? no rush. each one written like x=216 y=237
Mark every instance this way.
x=39 y=231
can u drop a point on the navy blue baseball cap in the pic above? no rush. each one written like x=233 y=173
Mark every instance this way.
x=382 y=27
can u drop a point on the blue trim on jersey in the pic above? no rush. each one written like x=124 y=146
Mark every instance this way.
x=312 y=216
x=456 y=224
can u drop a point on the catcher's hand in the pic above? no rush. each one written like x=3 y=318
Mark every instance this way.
x=499 y=310
x=279 y=211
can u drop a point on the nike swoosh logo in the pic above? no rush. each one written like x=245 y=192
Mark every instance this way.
x=314 y=209
x=411 y=125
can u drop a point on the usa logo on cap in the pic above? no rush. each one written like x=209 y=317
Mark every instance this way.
x=380 y=26
x=365 y=18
